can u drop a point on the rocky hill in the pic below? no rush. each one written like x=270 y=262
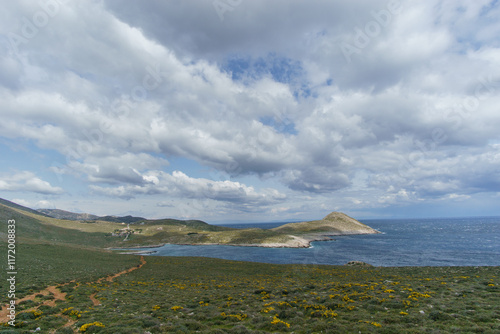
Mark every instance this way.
x=336 y=223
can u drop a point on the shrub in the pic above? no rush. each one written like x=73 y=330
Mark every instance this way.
x=92 y=326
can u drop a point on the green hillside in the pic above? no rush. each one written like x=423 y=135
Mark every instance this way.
x=35 y=227
x=42 y=264
x=111 y=231
x=13 y=205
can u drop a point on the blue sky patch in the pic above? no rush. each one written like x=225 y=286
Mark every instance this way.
x=281 y=69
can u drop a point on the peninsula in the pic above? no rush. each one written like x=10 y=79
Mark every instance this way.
x=292 y=235
x=138 y=232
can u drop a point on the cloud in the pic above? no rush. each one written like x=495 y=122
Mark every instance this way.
x=44 y=204
x=165 y=204
x=316 y=180
x=120 y=168
x=22 y=202
x=28 y=182
x=123 y=93
x=180 y=185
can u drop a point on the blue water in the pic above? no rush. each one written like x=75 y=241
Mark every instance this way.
x=404 y=242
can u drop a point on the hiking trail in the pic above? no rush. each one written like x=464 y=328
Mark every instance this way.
x=59 y=295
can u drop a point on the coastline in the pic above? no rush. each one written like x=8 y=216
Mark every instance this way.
x=296 y=242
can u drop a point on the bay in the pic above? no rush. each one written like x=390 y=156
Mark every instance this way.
x=473 y=241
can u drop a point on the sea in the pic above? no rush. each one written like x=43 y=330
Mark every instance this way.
x=402 y=242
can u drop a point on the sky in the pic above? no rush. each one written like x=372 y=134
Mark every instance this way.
x=251 y=111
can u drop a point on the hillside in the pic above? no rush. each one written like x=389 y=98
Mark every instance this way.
x=127 y=232
x=62 y=214
x=336 y=223
x=35 y=227
x=124 y=219
x=20 y=207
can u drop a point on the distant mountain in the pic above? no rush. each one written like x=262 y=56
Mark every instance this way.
x=194 y=224
x=125 y=219
x=61 y=214
x=35 y=226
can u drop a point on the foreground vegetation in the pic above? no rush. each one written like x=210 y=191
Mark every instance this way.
x=41 y=265
x=187 y=294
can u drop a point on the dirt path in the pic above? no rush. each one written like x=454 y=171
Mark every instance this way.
x=94 y=299
x=58 y=295
x=112 y=277
x=70 y=322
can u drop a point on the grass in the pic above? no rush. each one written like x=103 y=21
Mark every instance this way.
x=41 y=265
x=32 y=227
x=189 y=294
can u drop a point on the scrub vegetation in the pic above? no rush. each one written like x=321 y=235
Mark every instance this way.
x=189 y=294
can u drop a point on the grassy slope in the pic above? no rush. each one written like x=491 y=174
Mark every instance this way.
x=33 y=227
x=47 y=253
x=198 y=232
x=183 y=234
x=219 y=296
x=40 y=265
x=13 y=205
x=37 y=226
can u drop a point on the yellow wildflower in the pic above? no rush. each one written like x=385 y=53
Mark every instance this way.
x=86 y=326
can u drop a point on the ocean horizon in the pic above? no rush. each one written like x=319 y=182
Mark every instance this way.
x=469 y=241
